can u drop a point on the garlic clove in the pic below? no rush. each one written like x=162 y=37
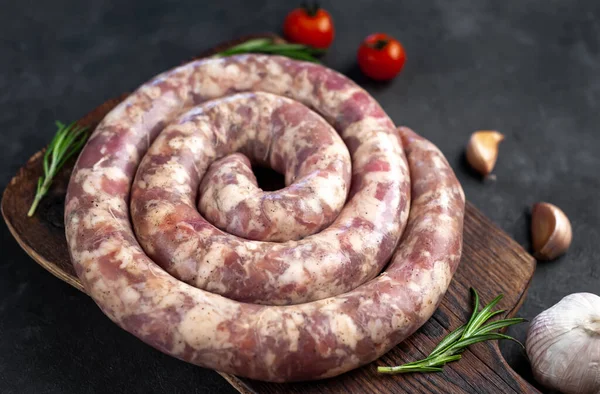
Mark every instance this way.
x=551 y=232
x=482 y=150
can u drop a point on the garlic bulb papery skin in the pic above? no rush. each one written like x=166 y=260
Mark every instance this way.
x=563 y=345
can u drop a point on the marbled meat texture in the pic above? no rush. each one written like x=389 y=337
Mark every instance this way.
x=338 y=313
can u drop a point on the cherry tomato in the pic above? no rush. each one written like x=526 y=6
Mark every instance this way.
x=310 y=25
x=381 y=57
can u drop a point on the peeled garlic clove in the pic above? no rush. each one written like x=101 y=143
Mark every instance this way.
x=482 y=150
x=563 y=345
x=551 y=232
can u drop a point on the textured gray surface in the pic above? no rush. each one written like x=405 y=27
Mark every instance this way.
x=527 y=68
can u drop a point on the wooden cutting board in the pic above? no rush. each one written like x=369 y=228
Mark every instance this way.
x=492 y=263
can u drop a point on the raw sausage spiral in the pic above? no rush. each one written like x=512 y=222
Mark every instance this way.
x=290 y=290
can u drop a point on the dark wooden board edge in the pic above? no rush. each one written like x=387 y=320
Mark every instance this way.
x=19 y=193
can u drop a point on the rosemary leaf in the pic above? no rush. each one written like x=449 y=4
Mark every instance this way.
x=471 y=340
x=283 y=47
x=498 y=325
x=448 y=341
x=441 y=361
x=450 y=348
x=475 y=312
x=482 y=316
x=293 y=47
x=68 y=140
x=268 y=46
x=492 y=314
x=298 y=55
x=247 y=46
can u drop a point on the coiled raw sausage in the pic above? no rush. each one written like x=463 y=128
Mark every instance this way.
x=340 y=328
x=291 y=139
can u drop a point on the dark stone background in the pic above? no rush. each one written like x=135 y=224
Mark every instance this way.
x=527 y=68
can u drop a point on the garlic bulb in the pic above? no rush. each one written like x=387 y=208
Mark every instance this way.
x=563 y=345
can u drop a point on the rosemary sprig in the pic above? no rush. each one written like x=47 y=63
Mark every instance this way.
x=268 y=46
x=69 y=139
x=450 y=348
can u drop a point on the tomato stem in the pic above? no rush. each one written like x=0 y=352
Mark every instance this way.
x=311 y=8
x=379 y=44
